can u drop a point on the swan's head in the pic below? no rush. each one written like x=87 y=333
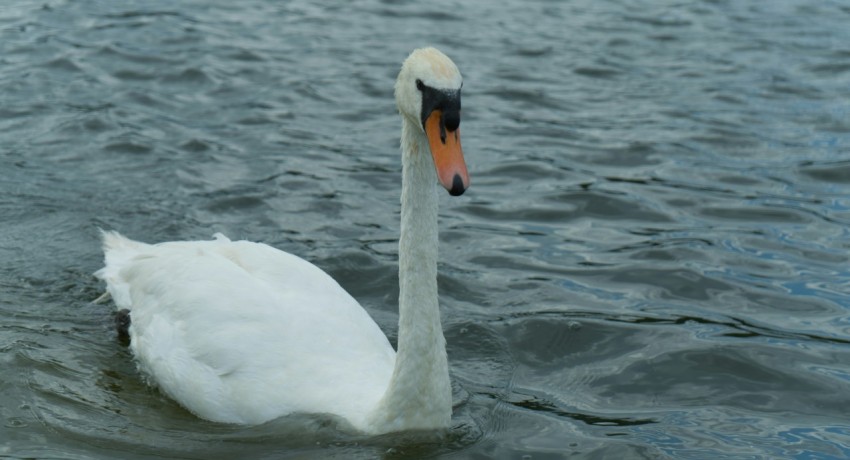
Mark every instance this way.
x=427 y=93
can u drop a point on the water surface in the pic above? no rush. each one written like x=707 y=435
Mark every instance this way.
x=652 y=260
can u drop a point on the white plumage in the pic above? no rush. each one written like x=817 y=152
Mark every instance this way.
x=240 y=332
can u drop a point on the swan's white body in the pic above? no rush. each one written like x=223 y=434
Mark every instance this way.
x=240 y=332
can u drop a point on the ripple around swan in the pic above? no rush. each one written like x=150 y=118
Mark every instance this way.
x=651 y=261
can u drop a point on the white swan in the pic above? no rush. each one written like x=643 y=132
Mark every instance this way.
x=240 y=332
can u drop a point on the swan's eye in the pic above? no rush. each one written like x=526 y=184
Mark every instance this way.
x=419 y=85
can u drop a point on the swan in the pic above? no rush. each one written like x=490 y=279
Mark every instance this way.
x=242 y=333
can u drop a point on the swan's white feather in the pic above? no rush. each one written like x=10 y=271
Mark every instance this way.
x=199 y=308
x=240 y=332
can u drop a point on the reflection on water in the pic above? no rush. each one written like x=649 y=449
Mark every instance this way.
x=651 y=262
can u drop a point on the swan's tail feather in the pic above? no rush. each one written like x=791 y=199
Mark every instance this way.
x=102 y=298
x=118 y=252
x=114 y=240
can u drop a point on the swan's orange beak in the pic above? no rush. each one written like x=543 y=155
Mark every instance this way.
x=448 y=156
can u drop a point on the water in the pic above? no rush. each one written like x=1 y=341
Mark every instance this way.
x=652 y=261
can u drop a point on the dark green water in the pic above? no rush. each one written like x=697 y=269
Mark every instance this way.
x=652 y=261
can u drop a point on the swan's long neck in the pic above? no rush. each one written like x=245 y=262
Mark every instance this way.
x=419 y=395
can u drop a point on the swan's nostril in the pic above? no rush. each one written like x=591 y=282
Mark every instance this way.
x=457 y=186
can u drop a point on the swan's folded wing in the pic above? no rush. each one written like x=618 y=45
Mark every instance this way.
x=241 y=332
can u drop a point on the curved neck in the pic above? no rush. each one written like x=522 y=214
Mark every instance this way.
x=419 y=393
